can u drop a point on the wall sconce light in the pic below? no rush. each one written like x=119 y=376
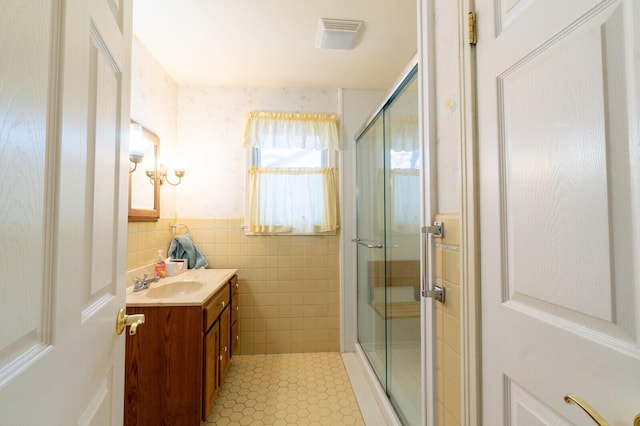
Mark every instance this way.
x=135 y=158
x=136 y=146
x=162 y=175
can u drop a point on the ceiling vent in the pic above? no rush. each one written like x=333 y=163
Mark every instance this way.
x=338 y=33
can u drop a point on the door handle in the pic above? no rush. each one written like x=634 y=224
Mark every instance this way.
x=429 y=288
x=591 y=412
x=595 y=416
x=133 y=321
x=368 y=244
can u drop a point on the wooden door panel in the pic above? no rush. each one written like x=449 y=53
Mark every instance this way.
x=524 y=409
x=24 y=94
x=25 y=165
x=103 y=288
x=508 y=11
x=63 y=201
x=559 y=191
x=556 y=220
x=566 y=180
x=99 y=409
x=102 y=163
x=117 y=12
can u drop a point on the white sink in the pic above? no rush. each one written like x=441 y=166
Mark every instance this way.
x=176 y=289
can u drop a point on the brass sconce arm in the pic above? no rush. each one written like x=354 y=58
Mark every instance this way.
x=162 y=175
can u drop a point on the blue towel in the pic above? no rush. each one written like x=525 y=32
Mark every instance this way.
x=183 y=248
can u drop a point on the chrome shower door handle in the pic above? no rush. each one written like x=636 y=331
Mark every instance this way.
x=367 y=243
x=429 y=288
x=425 y=262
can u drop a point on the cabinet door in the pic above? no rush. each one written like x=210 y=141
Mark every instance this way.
x=211 y=372
x=235 y=338
x=164 y=367
x=225 y=347
x=235 y=309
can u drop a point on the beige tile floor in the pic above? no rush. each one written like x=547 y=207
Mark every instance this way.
x=286 y=389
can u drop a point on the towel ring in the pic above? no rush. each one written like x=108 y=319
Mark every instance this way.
x=174 y=227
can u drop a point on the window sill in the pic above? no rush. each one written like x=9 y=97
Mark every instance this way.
x=291 y=234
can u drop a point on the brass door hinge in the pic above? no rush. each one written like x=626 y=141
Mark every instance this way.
x=471 y=28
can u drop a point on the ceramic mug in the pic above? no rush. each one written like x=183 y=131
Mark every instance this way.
x=175 y=267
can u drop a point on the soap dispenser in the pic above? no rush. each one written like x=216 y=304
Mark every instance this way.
x=160 y=266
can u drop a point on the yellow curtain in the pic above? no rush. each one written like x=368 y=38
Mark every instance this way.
x=291 y=201
x=267 y=129
x=404 y=204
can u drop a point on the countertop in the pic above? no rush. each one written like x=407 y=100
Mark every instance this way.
x=212 y=280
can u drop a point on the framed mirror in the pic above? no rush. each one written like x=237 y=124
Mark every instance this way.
x=144 y=188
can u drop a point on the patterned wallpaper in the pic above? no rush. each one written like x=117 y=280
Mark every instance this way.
x=210 y=131
x=154 y=104
x=201 y=128
x=448 y=119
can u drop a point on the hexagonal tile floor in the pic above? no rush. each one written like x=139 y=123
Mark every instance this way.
x=286 y=389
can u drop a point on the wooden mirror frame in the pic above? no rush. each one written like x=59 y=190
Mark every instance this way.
x=151 y=215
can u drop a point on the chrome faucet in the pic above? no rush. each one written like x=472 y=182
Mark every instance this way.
x=143 y=283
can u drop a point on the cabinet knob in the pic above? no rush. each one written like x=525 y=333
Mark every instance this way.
x=225 y=349
x=238 y=338
x=237 y=285
x=223 y=304
x=220 y=357
x=237 y=308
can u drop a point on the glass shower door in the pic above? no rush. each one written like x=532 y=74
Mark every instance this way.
x=370 y=252
x=388 y=254
x=402 y=253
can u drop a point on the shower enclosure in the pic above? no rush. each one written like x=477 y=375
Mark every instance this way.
x=388 y=248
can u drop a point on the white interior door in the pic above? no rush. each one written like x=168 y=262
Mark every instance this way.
x=64 y=114
x=559 y=146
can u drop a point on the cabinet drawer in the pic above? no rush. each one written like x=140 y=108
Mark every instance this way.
x=234 y=284
x=234 y=308
x=214 y=306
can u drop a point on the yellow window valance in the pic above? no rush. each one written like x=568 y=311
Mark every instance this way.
x=287 y=130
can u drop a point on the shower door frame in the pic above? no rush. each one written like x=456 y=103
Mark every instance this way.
x=428 y=209
x=428 y=194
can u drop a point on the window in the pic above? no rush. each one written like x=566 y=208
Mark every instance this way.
x=291 y=157
x=291 y=186
x=404 y=170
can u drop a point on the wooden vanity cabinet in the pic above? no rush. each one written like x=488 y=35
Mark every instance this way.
x=176 y=362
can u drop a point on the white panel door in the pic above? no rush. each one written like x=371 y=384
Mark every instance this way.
x=64 y=119
x=559 y=181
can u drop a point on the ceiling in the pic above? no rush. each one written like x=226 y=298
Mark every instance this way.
x=271 y=43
